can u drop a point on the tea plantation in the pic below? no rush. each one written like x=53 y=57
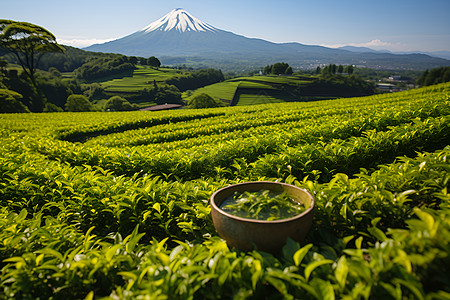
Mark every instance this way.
x=116 y=205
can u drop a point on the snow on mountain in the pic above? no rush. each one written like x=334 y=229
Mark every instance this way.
x=180 y=20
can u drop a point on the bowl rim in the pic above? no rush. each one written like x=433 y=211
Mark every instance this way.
x=299 y=216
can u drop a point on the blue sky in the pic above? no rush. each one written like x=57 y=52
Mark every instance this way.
x=397 y=25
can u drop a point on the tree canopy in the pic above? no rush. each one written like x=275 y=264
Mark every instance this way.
x=203 y=101
x=434 y=76
x=117 y=103
x=196 y=79
x=154 y=62
x=104 y=66
x=278 y=68
x=10 y=102
x=78 y=103
x=28 y=42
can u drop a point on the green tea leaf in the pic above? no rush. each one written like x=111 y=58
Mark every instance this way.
x=157 y=207
x=280 y=286
x=376 y=232
x=324 y=289
x=112 y=251
x=425 y=217
x=341 y=271
x=314 y=265
x=300 y=254
x=89 y=296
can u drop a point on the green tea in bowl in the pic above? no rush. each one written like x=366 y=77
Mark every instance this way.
x=262 y=205
x=262 y=214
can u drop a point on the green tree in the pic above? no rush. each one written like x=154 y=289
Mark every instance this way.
x=350 y=70
x=267 y=69
x=93 y=91
x=326 y=70
x=196 y=79
x=78 y=103
x=154 y=62
x=104 y=66
x=10 y=102
x=117 y=103
x=167 y=93
x=434 y=76
x=333 y=68
x=203 y=101
x=288 y=70
x=28 y=42
x=133 y=60
x=52 y=86
x=279 y=68
x=50 y=107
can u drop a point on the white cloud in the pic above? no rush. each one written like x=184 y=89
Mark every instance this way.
x=81 y=43
x=374 y=44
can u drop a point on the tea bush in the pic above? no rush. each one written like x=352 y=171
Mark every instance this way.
x=116 y=205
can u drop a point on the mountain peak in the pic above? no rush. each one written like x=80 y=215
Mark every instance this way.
x=179 y=20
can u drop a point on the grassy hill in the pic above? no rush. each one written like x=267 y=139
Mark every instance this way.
x=269 y=89
x=223 y=91
x=140 y=78
x=247 y=90
x=252 y=90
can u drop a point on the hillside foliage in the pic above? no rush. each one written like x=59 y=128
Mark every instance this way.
x=204 y=101
x=434 y=76
x=101 y=67
x=196 y=79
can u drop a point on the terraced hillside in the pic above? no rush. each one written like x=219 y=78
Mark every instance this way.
x=142 y=77
x=256 y=89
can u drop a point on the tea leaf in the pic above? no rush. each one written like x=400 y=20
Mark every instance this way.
x=89 y=296
x=324 y=289
x=312 y=266
x=341 y=271
x=425 y=217
x=300 y=254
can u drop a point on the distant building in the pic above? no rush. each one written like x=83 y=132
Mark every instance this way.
x=161 y=107
x=395 y=78
x=387 y=87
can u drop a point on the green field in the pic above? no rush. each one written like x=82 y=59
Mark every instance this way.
x=141 y=78
x=255 y=99
x=253 y=90
x=222 y=90
x=250 y=90
x=273 y=80
x=268 y=89
x=116 y=205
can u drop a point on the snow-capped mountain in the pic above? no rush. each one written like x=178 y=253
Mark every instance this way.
x=179 y=37
x=179 y=34
x=179 y=20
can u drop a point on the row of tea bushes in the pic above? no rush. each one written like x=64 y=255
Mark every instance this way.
x=379 y=235
x=104 y=217
x=303 y=122
x=265 y=155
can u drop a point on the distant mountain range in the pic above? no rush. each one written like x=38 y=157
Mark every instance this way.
x=440 y=54
x=180 y=38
